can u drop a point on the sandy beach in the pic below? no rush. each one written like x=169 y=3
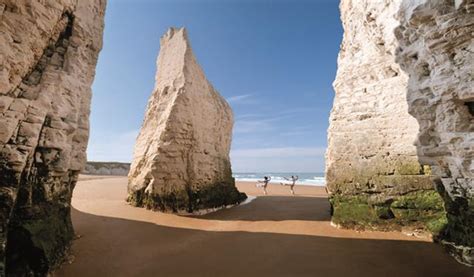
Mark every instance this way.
x=274 y=235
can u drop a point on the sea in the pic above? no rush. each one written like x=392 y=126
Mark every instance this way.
x=306 y=178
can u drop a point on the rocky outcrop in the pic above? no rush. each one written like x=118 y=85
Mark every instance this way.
x=107 y=168
x=181 y=157
x=48 y=55
x=437 y=51
x=372 y=168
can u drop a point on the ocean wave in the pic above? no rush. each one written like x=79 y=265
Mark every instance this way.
x=308 y=179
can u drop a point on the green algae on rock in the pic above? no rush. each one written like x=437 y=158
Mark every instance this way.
x=418 y=210
x=436 y=51
x=49 y=51
x=189 y=201
x=376 y=176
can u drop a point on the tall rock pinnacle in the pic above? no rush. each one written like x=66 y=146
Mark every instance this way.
x=181 y=157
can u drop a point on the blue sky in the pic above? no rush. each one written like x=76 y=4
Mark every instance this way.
x=274 y=62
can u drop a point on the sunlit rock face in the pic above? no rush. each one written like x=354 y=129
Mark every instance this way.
x=437 y=51
x=372 y=168
x=181 y=157
x=48 y=55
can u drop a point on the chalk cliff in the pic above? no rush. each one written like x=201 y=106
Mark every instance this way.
x=48 y=55
x=437 y=51
x=107 y=168
x=372 y=168
x=181 y=157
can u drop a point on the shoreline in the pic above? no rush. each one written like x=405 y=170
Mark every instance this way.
x=276 y=234
x=89 y=177
x=279 y=183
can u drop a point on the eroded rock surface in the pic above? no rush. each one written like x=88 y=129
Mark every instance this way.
x=48 y=55
x=181 y=157
x=107 y=168
x=437 y=51
x=372 y=168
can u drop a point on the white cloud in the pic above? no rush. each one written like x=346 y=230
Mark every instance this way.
x=248 y=115
x=239 y=98
x=278 y=159
x=299 y=131
x=265 y=121
x=278 y=152
x=119 y=147
x=256 y=125
x=248 y=125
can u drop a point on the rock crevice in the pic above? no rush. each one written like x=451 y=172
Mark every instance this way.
x=402 y=122
x=48 y=56
x=436 y=49
x=372 y=164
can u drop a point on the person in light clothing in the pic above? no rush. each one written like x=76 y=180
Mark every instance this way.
x=263 y=184
x=293 y=180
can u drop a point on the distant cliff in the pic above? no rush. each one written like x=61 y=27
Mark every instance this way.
x=106 y=168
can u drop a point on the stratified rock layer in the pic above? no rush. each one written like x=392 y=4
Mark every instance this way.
x=48 y=55
x=372 y=169
x=181 y=158
x=107 y=168
x=437 y=51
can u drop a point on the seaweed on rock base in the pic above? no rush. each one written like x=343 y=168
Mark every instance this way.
x=189 y=200
x=458 y=235
x=422 y=209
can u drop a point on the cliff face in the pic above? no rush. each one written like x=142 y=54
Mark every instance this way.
x=181 y=157
x=48 y=55
x=106 y=168
x=372 y=169
x=437 y=51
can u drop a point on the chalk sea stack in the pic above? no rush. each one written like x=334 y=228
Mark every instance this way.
x=181 y=157
x=372 y=169
x=436 y=49
x=48 y=55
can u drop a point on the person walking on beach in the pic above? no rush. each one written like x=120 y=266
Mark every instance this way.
x=264 y=184
x=293 y=180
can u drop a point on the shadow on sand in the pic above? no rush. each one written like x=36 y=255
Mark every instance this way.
x=118 y=247
x=276 y=208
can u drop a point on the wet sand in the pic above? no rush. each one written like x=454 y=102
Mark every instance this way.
x=274 y=235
